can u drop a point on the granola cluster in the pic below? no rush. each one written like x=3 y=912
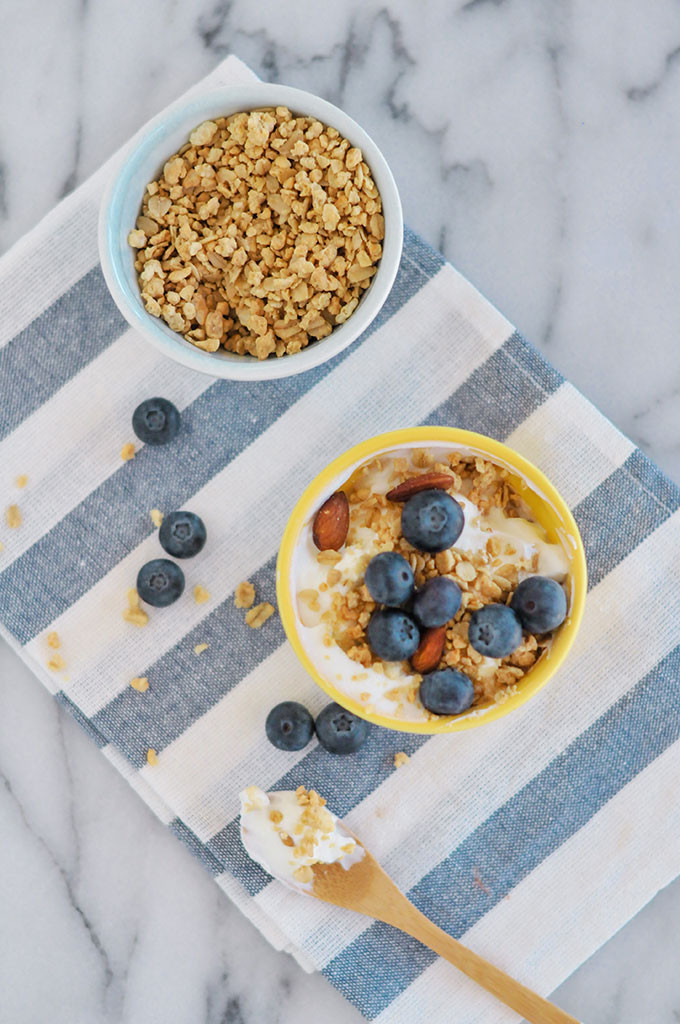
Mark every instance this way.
x=261 y=234
x=485 y=577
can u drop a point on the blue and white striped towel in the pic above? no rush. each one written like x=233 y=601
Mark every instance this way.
x=533 y=838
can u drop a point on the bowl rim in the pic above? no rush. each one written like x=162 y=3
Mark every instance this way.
x=149 y=141
x=497 y=451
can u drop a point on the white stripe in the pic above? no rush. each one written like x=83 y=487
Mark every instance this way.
x=544 y=930
x=94 y=413
x=575 y=460
x=246 y=505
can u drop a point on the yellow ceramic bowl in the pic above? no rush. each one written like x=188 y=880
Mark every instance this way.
x=547 y=506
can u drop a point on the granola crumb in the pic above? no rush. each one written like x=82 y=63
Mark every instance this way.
x=127 y=452
x=201 y=595
x=156 y=517
x=56 y=663
x=53 y=640
x=199 y=648
x=140 y=683
x=13 y=517
x=400 y=759
x=134 y=613
x=21 y=481
x=258 y=615
x=151 y=756
x=303 y=874
x=244 y=595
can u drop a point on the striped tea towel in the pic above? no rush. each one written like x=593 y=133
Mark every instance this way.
x=532 y=838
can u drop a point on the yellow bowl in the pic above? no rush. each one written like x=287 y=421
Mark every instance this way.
x=550 y=511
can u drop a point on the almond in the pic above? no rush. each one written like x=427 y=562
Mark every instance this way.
x=429 y=652
x=331 y=523
x=406 y=490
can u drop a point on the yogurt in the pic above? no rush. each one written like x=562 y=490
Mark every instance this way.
x=522 y=540
x=288 y=832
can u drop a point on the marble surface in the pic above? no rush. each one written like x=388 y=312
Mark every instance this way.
x=534 y=144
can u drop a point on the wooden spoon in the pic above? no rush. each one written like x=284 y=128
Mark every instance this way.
x=366 y=888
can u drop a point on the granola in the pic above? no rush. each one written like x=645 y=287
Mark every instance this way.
x=261 y=234
x=500 y=545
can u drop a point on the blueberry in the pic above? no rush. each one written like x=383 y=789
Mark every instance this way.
x=495 y=631
x=389 y=579
x=437 y=601
x=446 y=692
x=182 y=534
x=392 y=635
x=339 y=731
x=540 y=603
x=432 y=520
x=289 y=726
x=156 y=421
x=160 y=582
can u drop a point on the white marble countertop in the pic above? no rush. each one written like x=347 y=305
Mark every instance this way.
x=535 y=145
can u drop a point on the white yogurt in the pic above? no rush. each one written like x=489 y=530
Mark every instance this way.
x=527 y=538
x=269 y=818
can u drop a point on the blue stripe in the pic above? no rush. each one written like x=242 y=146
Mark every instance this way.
x=195 y=846
x=80 y=718
x=235 y=413
x=625 y=508
x=55 y=347
x=500 y=394
x=182 y=686
x=374 y=969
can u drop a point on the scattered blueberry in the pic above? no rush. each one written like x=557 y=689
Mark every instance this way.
x=389 y=579
x=156 y=421
x=339 y=731
x=182 y=534
x=160 y=582
x=446 y=692
x=437 y=601
x=432 y=520
x=540 y=603
x=289 y=726
x=392 y=635
x=495 y=631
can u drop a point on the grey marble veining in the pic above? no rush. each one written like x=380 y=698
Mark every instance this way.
x=534 y=144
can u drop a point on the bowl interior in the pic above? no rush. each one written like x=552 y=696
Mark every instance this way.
x=164 y=137
x=549 y=510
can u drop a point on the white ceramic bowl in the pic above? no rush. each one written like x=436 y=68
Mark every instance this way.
x=163 y=137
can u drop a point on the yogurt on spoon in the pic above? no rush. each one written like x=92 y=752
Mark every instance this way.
x=288 y=832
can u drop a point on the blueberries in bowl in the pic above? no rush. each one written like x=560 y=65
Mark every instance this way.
x=392 y=635
x=182 y=534
x=339 y=731
x=432 y=520
x=156 y=421
x=160 y=582
x=446 y=692
x=494 y=631
x=389 y=579
x=289 y=726
x=540 y=603
x=437 y=601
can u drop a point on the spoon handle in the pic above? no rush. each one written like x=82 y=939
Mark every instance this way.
x=534 y=1008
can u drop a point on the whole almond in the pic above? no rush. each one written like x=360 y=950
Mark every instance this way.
x=331 y=523
x=406 y=490
x=429 y=652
